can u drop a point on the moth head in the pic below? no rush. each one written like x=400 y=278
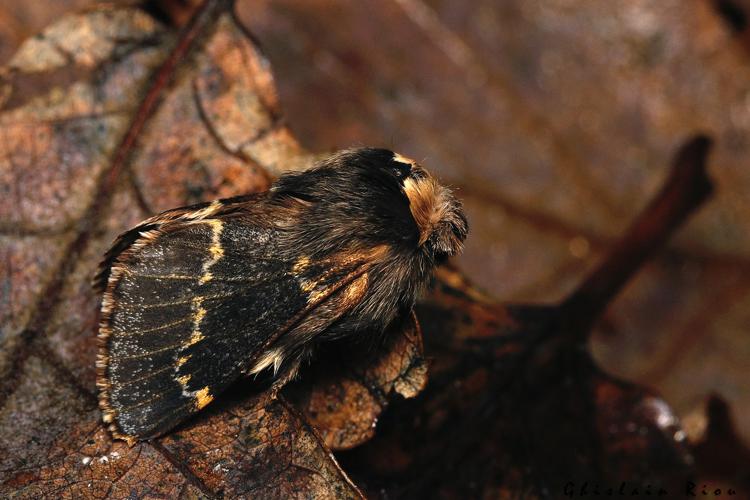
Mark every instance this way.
x=438 y=215
x=381 y=196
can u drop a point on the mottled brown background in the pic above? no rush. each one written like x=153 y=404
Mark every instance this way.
x=555 y=121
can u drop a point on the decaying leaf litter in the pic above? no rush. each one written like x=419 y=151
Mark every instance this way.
x=249 y=445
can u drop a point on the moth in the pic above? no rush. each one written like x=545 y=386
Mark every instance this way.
x=196 y=297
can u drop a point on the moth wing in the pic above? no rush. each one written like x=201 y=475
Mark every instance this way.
x=192 y=303
x=193 y=212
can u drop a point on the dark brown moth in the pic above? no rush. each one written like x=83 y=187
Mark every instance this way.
x=196 y=297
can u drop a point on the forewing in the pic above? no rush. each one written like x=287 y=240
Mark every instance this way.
x=193 y=212
x=192 y=303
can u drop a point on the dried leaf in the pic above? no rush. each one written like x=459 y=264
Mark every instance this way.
x=722 y=459
x=259 y=448
x=522 y=413
x=555 y=124
x=109 y=116
x=253 y=448
x=352 y=385
x=516 y=406
x=95 y=115
x=59 y=449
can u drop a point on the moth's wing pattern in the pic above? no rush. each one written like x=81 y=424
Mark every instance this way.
x=193 y=301
x=192 y=212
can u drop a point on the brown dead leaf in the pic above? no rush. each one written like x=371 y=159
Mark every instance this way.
x=108 y=116
x=248 y=448
x=555 y=120
x=722 y=459
x=520 y=414
x=526 y=411
x=353 y=384
x=20 y=20
x=259 y=448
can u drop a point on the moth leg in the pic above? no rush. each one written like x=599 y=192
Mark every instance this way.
x=286 y=374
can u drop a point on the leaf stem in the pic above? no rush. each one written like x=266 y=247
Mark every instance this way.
x=686 y=188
